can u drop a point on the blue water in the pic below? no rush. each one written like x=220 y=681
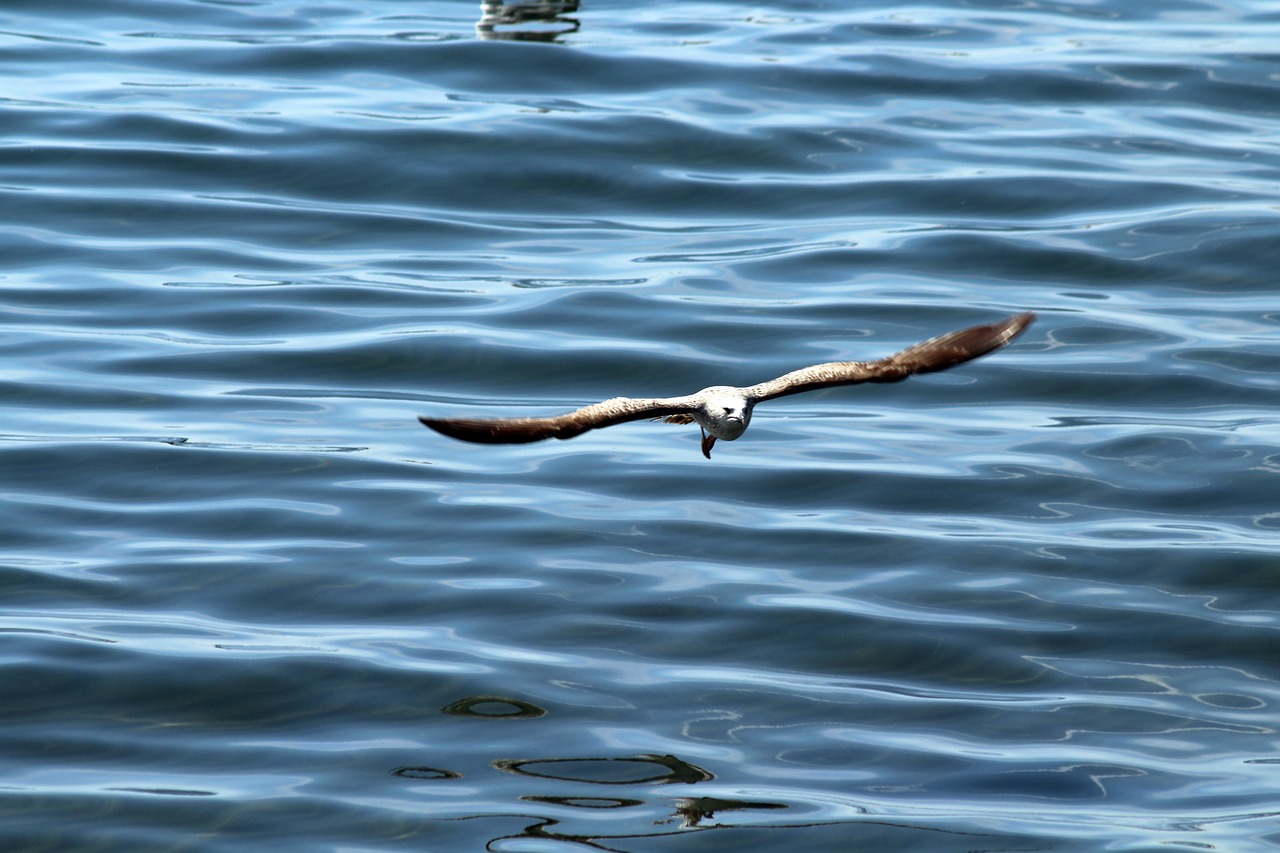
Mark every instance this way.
x=248 y=603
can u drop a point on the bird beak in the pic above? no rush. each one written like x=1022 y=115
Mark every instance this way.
x=708 y=441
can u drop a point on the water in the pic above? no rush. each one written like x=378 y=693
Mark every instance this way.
x=248 y=602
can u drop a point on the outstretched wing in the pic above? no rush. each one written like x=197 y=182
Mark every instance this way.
x=524 y=430
x=932 y=355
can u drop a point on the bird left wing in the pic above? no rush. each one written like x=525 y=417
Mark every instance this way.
x=596 y=416
x=926 y=357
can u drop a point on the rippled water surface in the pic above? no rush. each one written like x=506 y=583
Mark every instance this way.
x=248 y=603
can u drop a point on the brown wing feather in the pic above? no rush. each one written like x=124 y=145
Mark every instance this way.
x=524 y=430
x=927 y=357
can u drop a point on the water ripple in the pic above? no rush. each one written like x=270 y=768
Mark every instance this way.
x=250 y=602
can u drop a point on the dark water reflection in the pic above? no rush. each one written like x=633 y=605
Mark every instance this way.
x=535 y=21
x=247 y=602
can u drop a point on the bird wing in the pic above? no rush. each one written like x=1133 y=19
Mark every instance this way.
x=523 y=430
x=927 y=357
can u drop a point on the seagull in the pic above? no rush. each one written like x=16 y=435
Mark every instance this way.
x=724 y=412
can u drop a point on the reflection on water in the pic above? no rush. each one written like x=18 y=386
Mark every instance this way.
x=420 y=772
x=529 y=20
x=621 y=771
x=495 y=708
x=247 y=603
x=694 y=810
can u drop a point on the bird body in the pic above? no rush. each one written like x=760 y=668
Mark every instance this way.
x=723 y=411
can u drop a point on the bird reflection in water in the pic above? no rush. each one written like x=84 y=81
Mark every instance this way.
x=535 y=21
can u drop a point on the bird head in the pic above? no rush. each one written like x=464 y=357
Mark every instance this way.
x=726 y=413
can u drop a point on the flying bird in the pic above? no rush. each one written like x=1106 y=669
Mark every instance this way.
x=724 y=412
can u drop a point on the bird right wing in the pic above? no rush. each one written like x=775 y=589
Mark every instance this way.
x=524 y=430
x=927 y=357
